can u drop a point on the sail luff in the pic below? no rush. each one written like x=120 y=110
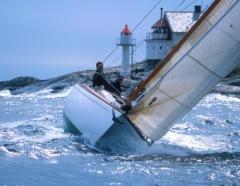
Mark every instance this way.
x=143 y=84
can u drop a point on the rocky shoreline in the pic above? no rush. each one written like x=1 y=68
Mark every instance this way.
x=229 y=85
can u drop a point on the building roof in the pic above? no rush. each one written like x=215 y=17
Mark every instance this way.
x=160 y=24
x=181 y=21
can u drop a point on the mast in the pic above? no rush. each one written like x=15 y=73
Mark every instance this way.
x=143 y=84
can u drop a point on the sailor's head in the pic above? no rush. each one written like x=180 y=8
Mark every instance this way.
x=99 y=66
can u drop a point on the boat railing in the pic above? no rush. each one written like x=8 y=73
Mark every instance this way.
x=103 y=95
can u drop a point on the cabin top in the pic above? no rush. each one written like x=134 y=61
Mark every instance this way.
x=178 y=21
x=181 y=21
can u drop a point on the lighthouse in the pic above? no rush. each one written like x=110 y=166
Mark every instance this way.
x=127 y=43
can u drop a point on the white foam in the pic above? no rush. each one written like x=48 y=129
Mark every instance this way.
x=5 y=93
x=54 y=95
x=197 y=143
x=46 y=93
x=220 y=97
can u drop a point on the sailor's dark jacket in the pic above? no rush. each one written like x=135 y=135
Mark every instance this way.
x=99 y=80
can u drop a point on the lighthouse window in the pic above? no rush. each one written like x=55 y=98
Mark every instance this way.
x=160 y=47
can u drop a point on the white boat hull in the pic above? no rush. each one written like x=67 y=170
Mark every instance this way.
x=98 y=120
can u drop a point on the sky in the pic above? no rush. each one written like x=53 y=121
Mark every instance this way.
x=48 y=38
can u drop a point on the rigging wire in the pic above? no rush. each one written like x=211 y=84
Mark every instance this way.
x=190 y=4
x=142 y=20
x=110 y=54
x=119 y=57
x=207 y=6
x=142 y=41
x=138 y=46
x=137 y=25
x=149 y=12
x=115 y=61
x=180 y=4
x=204 y=10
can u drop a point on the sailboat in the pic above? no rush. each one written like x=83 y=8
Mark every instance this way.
x=208 y=52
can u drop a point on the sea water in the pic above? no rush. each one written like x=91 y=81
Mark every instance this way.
x=201 y=149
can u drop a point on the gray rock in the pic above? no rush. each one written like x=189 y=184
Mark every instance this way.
x=230 y=85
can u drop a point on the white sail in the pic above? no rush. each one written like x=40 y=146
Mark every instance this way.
x=210 y=53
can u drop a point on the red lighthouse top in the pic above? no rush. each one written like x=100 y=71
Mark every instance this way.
x=126 y=30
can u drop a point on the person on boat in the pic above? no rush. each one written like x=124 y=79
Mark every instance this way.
x=99 y=77
x=99 y=80
x=117 y=89
x=116 y=85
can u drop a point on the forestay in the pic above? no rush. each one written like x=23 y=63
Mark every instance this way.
x=210 y=53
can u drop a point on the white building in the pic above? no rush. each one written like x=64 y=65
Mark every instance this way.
x=167 y=31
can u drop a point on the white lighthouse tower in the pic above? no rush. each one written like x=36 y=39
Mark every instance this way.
x=127 y=43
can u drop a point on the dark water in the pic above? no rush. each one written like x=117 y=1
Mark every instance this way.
x=202 y=149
